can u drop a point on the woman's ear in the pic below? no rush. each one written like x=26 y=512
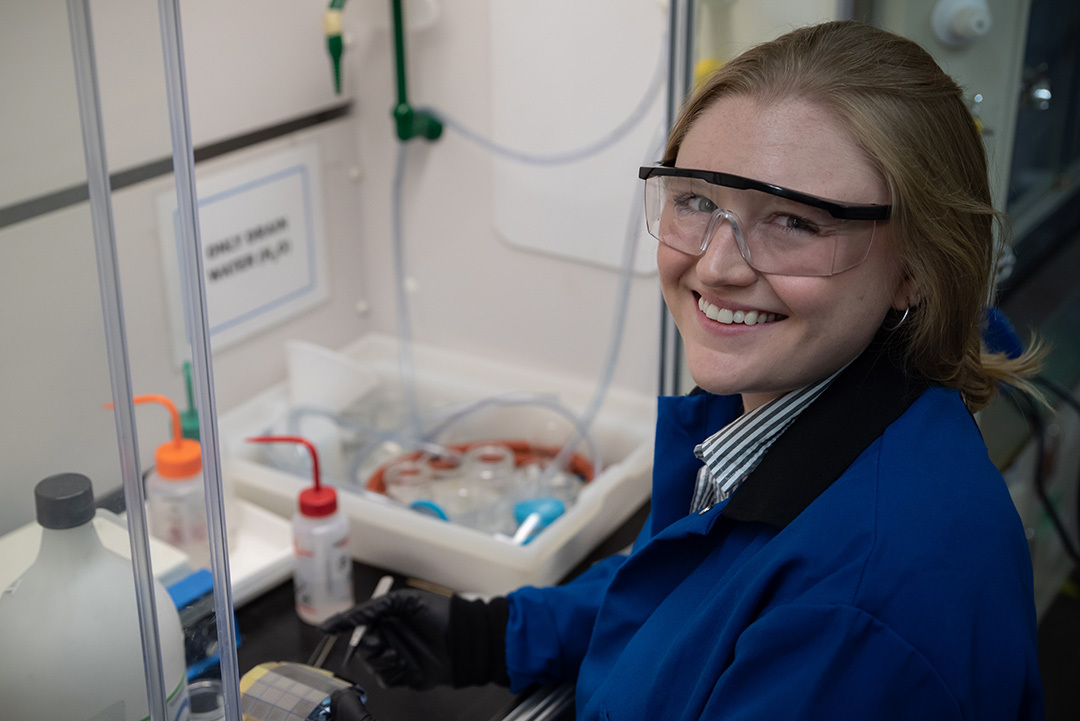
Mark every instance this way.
x=906 y=295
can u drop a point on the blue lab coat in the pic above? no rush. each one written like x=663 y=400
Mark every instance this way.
x=873 y=566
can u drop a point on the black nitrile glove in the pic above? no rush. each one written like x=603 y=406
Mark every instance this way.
x=347 y=705
x=420 y=639
x=405 y=641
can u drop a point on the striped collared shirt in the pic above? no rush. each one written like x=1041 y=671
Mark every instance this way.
x=730 y=454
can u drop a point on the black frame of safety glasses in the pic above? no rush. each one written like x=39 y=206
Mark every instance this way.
x=727 y=180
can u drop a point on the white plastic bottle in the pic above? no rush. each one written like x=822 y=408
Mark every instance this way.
x=175 y=499
x=70 y=647
x=322 y=576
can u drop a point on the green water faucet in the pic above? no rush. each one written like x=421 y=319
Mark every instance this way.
x=409 y=122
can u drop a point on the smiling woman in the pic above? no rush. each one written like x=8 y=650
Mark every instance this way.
x=823 y=320
x=827 y=537
x=902 y=124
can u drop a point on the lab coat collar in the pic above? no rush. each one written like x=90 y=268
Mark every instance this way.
x=826 y=438
x=682 y=423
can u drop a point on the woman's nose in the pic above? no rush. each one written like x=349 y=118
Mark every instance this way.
x=722 y=262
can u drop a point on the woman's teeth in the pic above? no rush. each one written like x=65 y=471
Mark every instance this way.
x=724 y=315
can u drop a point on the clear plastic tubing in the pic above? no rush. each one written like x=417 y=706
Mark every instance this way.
x=427 y=441
x=403 y=318
x=572 y=156
x=633 y=233
x=629 y=251
x=539 y=401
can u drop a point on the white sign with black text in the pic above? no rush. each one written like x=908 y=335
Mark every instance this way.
x=263 y=249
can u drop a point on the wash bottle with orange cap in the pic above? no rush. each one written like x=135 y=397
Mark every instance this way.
x=322 y=576
x=175 y=500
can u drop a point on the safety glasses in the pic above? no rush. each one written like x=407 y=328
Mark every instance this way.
x=778 y=230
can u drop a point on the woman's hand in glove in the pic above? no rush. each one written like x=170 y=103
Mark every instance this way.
x=347 y=705
x=405 y=643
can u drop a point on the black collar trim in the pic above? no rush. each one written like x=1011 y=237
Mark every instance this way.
x=825 y=439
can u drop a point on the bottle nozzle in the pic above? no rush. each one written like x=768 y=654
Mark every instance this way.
x=316 y=500
x=179 y=458
x=302 y=441
x=174 y=415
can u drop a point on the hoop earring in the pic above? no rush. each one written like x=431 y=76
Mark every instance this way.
x=899 y=322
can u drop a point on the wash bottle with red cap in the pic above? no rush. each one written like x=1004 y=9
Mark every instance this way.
x=175 y=500
x=323 y=573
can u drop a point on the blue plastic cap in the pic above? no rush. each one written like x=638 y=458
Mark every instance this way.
x=548 y=508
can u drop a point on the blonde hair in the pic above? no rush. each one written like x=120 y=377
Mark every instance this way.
x=910 y=119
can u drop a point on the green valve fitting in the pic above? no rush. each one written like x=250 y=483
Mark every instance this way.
x=411 y=123
x=332 y=25
x=334 y=45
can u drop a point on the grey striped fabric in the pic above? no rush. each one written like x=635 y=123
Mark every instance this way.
x=730 y=454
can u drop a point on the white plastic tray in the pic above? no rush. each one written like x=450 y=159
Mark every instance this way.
x=393 y=537
x=260 y=552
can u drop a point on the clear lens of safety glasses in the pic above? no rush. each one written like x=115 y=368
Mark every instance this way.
x=775 y=234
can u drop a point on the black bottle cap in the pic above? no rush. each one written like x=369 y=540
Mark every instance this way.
x=65 y=500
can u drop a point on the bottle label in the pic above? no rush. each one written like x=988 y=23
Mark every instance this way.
x=322 y=577
x=178 y=521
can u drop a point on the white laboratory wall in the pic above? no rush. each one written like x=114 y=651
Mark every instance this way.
x=249 y=65
x=40 y=147
x=53 y=374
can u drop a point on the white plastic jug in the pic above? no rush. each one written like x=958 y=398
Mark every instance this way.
x=70 y=648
